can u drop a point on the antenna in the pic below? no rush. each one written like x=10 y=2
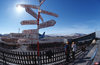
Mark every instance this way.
x=18 y=30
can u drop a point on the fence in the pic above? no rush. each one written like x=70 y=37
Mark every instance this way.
x=31 y=58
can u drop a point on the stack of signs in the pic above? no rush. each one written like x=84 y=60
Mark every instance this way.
x=32 y=34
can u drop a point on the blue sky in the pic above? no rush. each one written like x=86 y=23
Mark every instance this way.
x=75 y=16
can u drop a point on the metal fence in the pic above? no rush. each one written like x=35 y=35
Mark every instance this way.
x=30 y=58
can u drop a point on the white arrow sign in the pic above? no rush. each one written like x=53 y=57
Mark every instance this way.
x=24 y=36
x=28 y=6
x=27 y=41
x=49 y=13
x=41 y=2
x=28 y=22
x=47 y=24
x=36 y=7
x=31 y=12
x=31 y=31
x=28 y=10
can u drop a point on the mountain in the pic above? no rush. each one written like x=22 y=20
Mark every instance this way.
x=54 y=35
x=74 y=34
x=4 y=34
x=0 y=35
x=77 y=34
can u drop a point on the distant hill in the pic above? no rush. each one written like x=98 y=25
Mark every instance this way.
x=3 y=35
x=77 y=34
x=70 y=36
x=0 y=35
x=74 y=34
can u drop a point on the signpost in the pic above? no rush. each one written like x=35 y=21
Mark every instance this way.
x=33 y=33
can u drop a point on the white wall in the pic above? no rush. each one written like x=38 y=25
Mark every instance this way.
x=0 y=38
x=97 y=34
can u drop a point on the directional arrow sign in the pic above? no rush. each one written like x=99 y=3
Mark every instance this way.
x=24 y=36
x=33 y=36
x=28 y=6
x=49 y=13
x=47 y=24
x=28 y=10
x=27 y=41
x=41 y=2
x=28 y=22
x=36 y=7
x=31 y=12
x=23 y=41
x=31 y=31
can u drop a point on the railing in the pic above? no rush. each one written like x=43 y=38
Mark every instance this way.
x=92 y=57
x=30 y=58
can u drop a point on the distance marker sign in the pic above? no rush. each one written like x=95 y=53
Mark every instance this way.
x=29 y=22
x=31 y=31
x=47 y=24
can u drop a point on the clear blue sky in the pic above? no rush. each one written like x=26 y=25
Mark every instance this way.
x=75 y=16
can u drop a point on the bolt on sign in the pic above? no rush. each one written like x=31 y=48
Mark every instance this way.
x=47 y=24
